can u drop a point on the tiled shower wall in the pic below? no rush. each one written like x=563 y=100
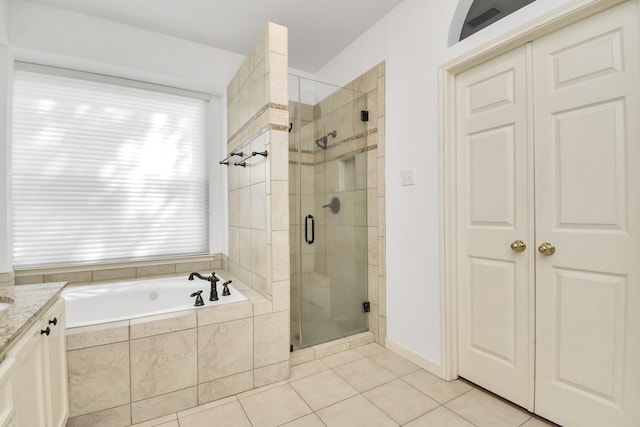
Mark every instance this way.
x=257 y=120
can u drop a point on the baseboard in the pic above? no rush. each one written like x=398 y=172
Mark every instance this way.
x=414 y=357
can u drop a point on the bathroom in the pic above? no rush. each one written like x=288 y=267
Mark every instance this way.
x=397 y=70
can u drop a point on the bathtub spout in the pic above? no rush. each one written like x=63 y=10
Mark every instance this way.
x=198 y=276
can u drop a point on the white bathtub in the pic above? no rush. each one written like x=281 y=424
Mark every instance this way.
x=93 y=304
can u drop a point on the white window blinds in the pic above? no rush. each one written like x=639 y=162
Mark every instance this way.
x=105 y=173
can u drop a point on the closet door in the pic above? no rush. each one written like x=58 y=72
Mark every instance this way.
x=587 y=144
x=495 y=296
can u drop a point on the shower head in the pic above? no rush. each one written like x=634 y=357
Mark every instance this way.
x=322 y=142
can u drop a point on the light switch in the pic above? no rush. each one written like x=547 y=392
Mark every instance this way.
x=406 y=177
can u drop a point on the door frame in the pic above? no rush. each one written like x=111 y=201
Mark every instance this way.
x=535 y=29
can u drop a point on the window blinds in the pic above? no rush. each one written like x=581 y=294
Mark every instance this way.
x=105 y=173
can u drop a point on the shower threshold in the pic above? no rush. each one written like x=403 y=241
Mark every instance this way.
x=319 y=351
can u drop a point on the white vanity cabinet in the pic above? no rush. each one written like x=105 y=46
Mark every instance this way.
x=7 y=412
x=55 y=365
x=39 y=372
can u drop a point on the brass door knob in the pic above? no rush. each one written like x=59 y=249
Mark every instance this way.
x=547 y=249
x=518 y=246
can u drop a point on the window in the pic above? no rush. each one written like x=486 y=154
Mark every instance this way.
x=483 y=13
x=105 y=172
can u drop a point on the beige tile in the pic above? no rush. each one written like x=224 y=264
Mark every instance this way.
x=301 y=356
x=307 y=369
x=361 y=339
x=113 y=417
x=281 y=295
x=538 y=422
x=206 y=406
x=259 y=255
x=401 y=401
x=332 y=347
x=163 y=405
x=436 y=388
x=280 y=255
x=114 y=273
x=188 y=267
x=367 y=81
x=440 y=417
x=364 y=374
x=28 y=280
x=271 y=338
x=274 y=407
x=257 y=211
x=163 y=363
x=245 y=250
x=484 y=410
x=279 y=66
x=215 y=360
x=80 y=276
x=259 y=390
x=397 y=365
x=271 y=374
x=244 y=206
x=224 y=313
x=155 y=270
x=162 y=324
x=98 y=378
x=279 y=205
x=310 y=420
x=370 y=349
x=342 y=358
x=223 y=387
x=229 y=415
x=166 y=421
x=323 y=389
x=95 y=335
x=382 y=295
x=356 y=411
x=372 y=246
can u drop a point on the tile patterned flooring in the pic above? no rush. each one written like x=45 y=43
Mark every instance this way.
x=365 y=387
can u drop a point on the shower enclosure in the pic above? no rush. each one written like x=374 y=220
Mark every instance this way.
x=328 y=211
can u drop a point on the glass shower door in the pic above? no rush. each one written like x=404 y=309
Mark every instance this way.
x=328 y=174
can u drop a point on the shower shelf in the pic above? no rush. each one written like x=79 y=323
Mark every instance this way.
x=243 y=162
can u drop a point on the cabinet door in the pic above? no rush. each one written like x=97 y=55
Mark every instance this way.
x=7 y=413
x=55 y=365
x=587 y=127
x=27 y=377
x=495 y=280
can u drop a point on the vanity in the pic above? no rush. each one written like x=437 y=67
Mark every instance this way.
x=33 y=364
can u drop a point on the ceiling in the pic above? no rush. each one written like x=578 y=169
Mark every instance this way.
x=318 y=29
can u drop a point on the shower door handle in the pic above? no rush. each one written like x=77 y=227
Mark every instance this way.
x=306 y=229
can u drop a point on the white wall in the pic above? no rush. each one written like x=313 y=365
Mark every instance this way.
x=51 y=36
x=412 y=39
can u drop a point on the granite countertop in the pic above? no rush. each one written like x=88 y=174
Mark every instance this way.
x=29 y=302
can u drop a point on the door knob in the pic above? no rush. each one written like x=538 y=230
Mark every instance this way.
x=518 y=246
x=547 y=249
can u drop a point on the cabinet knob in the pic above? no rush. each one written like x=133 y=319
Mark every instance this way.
x=53 y=322
x=45 y=331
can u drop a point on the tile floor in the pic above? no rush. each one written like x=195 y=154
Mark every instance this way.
x=365 y=387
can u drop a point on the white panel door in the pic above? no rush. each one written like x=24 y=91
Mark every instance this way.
x=495 y=296
x=587 y=180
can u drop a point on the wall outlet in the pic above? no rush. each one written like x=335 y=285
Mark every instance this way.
x=406 y=177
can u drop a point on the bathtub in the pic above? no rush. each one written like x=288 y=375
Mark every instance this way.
x=95 y=304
